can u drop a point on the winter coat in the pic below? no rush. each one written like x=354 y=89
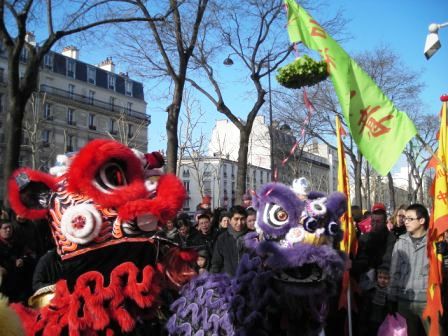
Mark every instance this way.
x=409 y=270
x=229 y=248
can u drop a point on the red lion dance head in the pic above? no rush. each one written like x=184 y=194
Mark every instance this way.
x=102 y=207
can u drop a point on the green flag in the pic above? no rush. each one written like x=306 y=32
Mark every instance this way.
x=378 y=128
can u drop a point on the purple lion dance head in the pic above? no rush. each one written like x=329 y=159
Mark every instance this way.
x=283 y=283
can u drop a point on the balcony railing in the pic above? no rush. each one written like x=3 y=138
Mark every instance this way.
x=95 y=102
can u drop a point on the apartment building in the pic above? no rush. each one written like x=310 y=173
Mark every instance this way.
x=74 y=103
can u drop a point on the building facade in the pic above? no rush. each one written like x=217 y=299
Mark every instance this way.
x=216 y=177
x=74 y=103
x=317 y=162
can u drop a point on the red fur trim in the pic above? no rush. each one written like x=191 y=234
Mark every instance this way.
x=94 y=307
x=14 y=192
x=169 y=200
x=28 y=317
x=88 y=161
x=177 y=269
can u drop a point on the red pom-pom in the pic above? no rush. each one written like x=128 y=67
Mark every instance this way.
x=154 y=160
x=444 y=97
x=188 y=256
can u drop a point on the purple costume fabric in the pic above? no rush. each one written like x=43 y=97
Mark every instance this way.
x=282 y=284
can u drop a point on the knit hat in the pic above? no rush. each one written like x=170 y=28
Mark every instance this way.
x=378 y=207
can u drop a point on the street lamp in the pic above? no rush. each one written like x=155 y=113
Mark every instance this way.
x=229 y=62
x=271 y=127
x=432 y=40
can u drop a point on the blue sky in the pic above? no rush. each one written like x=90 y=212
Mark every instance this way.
x=403 y=25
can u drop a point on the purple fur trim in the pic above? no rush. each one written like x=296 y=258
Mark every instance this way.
x=280 y=258
x=337 y=202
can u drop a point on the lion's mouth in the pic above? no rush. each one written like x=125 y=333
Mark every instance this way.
x=308 y=273
x=141 y=224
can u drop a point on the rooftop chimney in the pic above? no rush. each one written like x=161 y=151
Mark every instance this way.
x=30 y=38
x=71 y=51
x=107 y=65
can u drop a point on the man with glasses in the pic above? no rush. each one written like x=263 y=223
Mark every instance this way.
x=409 y=271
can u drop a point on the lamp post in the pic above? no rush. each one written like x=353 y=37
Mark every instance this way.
x=271 y=126
x=432 y=40
x=229 y=62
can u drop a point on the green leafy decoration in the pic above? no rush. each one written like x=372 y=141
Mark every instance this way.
x=304 y=71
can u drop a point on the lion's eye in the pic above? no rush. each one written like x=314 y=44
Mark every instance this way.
x=111 y=176
x=281 y=215
x=275 y=215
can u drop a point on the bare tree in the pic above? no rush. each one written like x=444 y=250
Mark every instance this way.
x=192 y=148
x=41 y=150
x=163 y=50
x=125 y=134
x=417 y=155
x=252 y=31
x=25 y=56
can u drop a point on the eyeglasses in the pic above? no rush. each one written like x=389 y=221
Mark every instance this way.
x=410 y=219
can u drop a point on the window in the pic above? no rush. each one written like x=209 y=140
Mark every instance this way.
x=2 y=75
x=224 y=170
x=111 y=81
x=187 y=185
x=70 y=143
x=92 y=121
x=185 y=173
x=128 y=85
x=71 y=116
x=112 y=126
x=47 y=112
x=71 y=90
x=130 y=131
x=187 y=204
x=91 y=75
x=91 y=97
x=45 y=138
x=112 y=103
x=71 y=68
x=48 y=61
x=1 y=102
x=129 y=107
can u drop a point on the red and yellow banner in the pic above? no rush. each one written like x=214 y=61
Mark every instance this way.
x=348 y=243
x=438 y=225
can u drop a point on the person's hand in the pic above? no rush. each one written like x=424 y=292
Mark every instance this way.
x=19 y=262
x=3 y=271
x=392 y=308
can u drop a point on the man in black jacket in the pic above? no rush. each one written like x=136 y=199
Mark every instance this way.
x=229 y=246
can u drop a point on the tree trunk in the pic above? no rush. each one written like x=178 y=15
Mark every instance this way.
x=358 y=182
x=13 y=137
x=242 y=166
x=391 y=191
x=368 y=185
x=171 y=127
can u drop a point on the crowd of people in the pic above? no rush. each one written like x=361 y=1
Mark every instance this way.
x=390 y=267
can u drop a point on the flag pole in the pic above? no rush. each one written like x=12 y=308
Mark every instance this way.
x=429 y=149
x=349 y=308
